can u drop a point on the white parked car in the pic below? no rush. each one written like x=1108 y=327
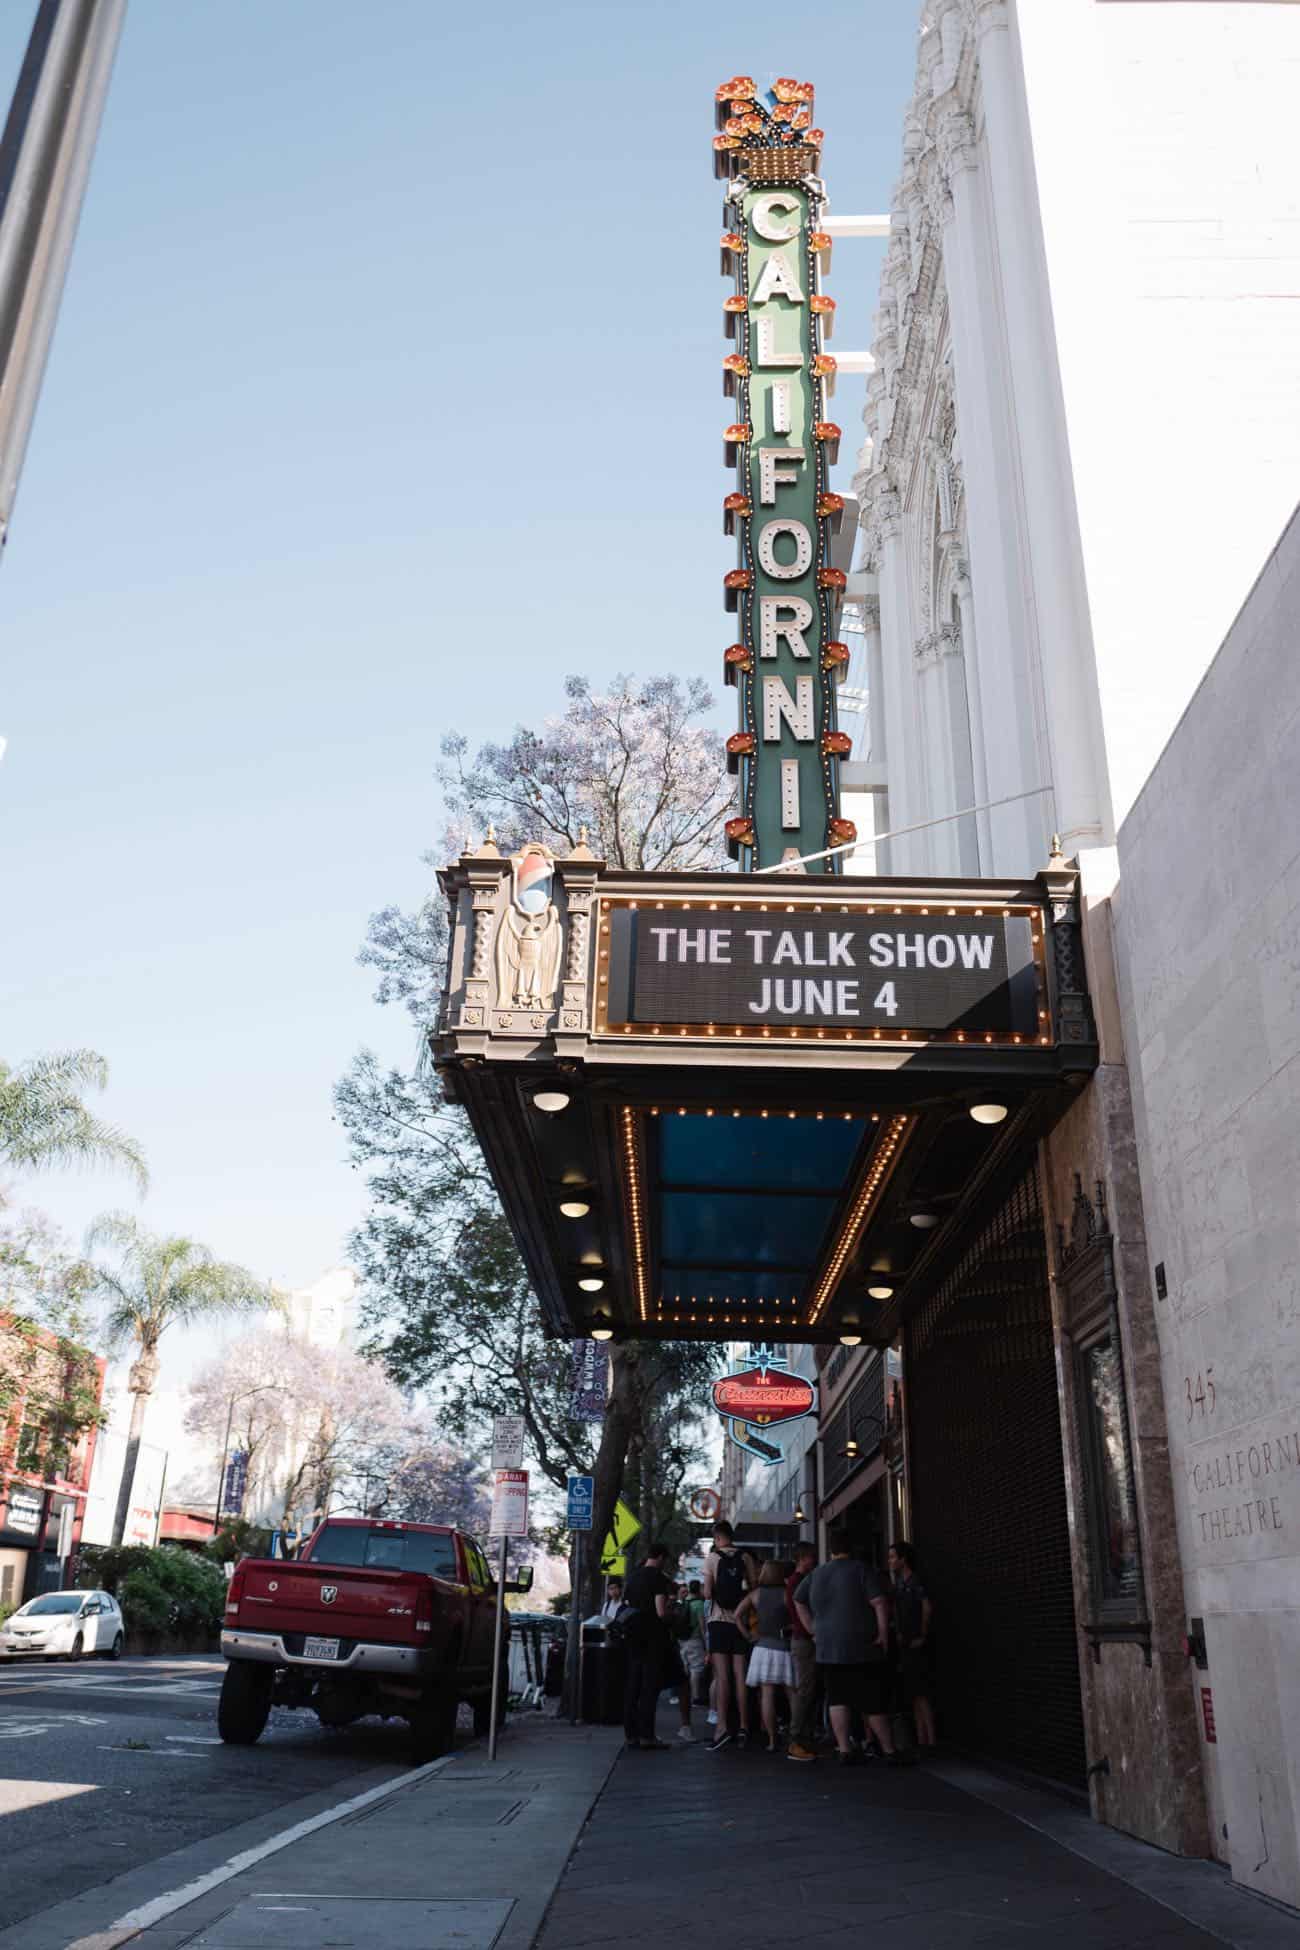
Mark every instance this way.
x=64 y=1625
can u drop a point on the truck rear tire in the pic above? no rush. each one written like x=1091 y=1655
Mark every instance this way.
x=245 y=1703
x=433 y=1725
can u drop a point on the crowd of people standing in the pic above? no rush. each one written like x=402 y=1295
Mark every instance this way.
x=797 y=1637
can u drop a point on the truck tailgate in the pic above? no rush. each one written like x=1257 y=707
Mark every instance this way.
x=338 y=1601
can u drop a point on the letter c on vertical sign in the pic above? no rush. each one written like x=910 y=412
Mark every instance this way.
x=763 y=214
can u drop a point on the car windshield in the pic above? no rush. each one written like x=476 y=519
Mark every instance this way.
x=385 y=1550
x=53 y=1602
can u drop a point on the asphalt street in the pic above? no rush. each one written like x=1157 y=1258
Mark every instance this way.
x=106 y=1766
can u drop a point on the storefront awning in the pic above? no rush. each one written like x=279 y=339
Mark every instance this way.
x=725 y=1108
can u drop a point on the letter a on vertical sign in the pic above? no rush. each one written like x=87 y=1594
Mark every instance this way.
x=786 y=663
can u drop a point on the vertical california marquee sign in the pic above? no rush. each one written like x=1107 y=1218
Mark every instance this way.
x=785 y=663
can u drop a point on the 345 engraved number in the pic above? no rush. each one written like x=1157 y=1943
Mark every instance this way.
x=1200 y=1400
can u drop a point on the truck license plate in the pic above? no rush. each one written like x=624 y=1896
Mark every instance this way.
x=321 y=1649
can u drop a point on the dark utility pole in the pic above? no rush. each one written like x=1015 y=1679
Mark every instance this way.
x=45 y=155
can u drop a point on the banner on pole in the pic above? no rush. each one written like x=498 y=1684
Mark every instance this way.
x=235 y=1483
x=589 y=1385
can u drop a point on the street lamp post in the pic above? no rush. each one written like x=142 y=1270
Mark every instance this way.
x=45 y=155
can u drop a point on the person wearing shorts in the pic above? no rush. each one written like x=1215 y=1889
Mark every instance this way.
x=842 y=1604
x=728 y=1575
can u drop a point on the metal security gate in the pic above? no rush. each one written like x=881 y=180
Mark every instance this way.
x=988 y=1499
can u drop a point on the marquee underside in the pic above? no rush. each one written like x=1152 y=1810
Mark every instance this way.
x=728 y=1181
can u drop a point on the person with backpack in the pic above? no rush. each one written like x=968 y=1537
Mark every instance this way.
x=642 y=1625
x=843 y=1606
x=728 y=1575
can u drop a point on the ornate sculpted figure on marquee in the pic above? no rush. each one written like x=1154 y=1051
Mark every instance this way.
x=529 y=936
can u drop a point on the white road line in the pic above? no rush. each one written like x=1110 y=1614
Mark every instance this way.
x=144 y=1689
x=152 y=1912
x=26 y=1728
x=199 y=1739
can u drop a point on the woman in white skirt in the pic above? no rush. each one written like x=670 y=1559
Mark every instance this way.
x=762 y=1615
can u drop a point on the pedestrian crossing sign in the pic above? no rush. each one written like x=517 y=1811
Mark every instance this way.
x=613 y=1555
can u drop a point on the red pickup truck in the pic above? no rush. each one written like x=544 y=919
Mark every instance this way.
x=372 y=1617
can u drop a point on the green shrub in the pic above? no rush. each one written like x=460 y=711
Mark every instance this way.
x=7 y=1611
x=161 y=1590
x=145 y=1605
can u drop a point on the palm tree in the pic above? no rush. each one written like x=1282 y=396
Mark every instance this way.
x=43 y=1120
x=153 y=1282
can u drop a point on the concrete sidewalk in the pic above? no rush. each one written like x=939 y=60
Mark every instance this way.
x=464 y=1855
x=753 y=1850
x=569 y=1843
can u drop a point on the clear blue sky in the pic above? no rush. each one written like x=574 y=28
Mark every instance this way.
x=386 y=391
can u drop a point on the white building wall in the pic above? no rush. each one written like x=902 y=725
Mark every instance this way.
x=1164 y=159
x=1210 y=961
x=1087 y=342
x=1095 y=257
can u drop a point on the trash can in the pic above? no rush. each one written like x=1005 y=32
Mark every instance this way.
x=604 y=1672
x=553 y=1684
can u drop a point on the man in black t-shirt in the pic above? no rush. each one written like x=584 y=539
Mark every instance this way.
x=646 y=1637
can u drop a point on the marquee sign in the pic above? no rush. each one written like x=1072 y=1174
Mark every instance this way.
x=883 y=970
x=785 y=662
x=764 y=1395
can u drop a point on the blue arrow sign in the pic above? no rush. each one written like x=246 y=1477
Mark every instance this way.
x=582 y=1496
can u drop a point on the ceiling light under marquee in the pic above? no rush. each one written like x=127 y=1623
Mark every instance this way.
x=989 y=1112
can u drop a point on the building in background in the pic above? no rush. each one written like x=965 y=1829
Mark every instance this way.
x=148 y=1488
x=1096 y=227
x=324 y=1313
x=45 y=1468
x=773 y=1503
